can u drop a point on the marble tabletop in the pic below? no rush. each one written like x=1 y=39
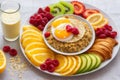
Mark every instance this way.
x=21 y=69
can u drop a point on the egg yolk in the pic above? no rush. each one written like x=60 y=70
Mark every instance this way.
x=62 y=34
x=58 y=22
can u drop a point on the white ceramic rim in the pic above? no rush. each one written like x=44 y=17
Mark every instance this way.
x=115 y=50
x=74 y=53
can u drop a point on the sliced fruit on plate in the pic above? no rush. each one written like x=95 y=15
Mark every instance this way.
x=31 y=31
x=83 y=64
x=30 y=27
x=39 y=58
x=63 y=62
x=31 y=35
x=89 y=12
x=89 y=62
x=94 y=61
x=31 y=52
x=95 y=19
x=69 y=9
x=28 y=40
x=2 y=61
x=34 y=45
x=101 y=24
x=71 y=68
x=57 y=9
x=79 y=7
x=78 y=65
x=99 y=61
x=70 y=62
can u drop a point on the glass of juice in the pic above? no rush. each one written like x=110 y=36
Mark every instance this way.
x=10 y=20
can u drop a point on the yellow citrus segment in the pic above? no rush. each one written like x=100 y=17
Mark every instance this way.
x=96 y=18
x=30 y=27
x=78 y=61
x=101 y=24
x=36 y=51
x=38 y=59
x=31 y=35
x=73 y=66
x=34 y=45
x=58 y=22
x=28 y=40
x=62 y=62
x=31 y=31
x=2 y=61
x=69 y=64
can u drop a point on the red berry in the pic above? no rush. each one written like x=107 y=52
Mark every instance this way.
x=43 y=15
x=43 y=23
x=40 y=10
x=101 y=30
x=49 y=16
x=47 y=9
x=40 y=27
x=75 y=31
x=13 y=52
x=48 y=61
x=102 y=36
x=6 y=48
x=108 y=27
x=68 y=28
x=55 y=63
x=43 y=67
x=107 y=33
x=47 y=34
x=45 y=20
x=113 y=34
x=97 y=32
x=51 y=68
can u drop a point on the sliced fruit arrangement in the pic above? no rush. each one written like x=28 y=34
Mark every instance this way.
x=41 y=56
x=2 y=61
x=61 y=8
x=103 y=47
x=34 y=46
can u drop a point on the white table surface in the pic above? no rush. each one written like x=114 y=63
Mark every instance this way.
x=110 y=72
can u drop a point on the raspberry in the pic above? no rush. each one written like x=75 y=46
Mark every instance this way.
x=43 y=67
x=51 y=68
x=113 y=34
x=40 y=10
x=43 y=15
x=45 y=20
x=47 y=34
x=108 y=27
x=48 y=61
x=107 y=33
x=43 y=23
x=97 y=32
x=6 y=48
x=102 y=36
x=55 y=63
x=75 y=31
x=47 y=9
x=68 y=28
x=13 y=52
x=40 y=27
x=49 y=16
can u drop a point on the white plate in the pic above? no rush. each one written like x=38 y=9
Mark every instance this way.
x=115 y=50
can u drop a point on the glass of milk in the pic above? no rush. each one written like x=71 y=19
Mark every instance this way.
x=10 y=20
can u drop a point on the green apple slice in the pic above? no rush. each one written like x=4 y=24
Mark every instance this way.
x=94 y=61
x=98 y=60
x=83 y=63
x=89 y=61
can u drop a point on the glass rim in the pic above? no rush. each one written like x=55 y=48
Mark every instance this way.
x=16 y=10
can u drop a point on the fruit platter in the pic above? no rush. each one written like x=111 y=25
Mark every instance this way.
x=69 y=39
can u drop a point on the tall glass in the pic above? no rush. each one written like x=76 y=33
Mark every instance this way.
x=10 y=19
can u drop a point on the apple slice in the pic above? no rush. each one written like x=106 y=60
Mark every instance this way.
x=98 y=60
x=94 y=61
x=84 y=63
x=89 y=63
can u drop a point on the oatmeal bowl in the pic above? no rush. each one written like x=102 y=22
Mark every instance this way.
x=69 y=34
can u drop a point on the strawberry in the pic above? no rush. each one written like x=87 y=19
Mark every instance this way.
x=88 y=12
x=79 y=7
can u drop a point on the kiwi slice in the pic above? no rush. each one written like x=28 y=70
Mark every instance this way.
x=57 y=9
x=69 y=8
